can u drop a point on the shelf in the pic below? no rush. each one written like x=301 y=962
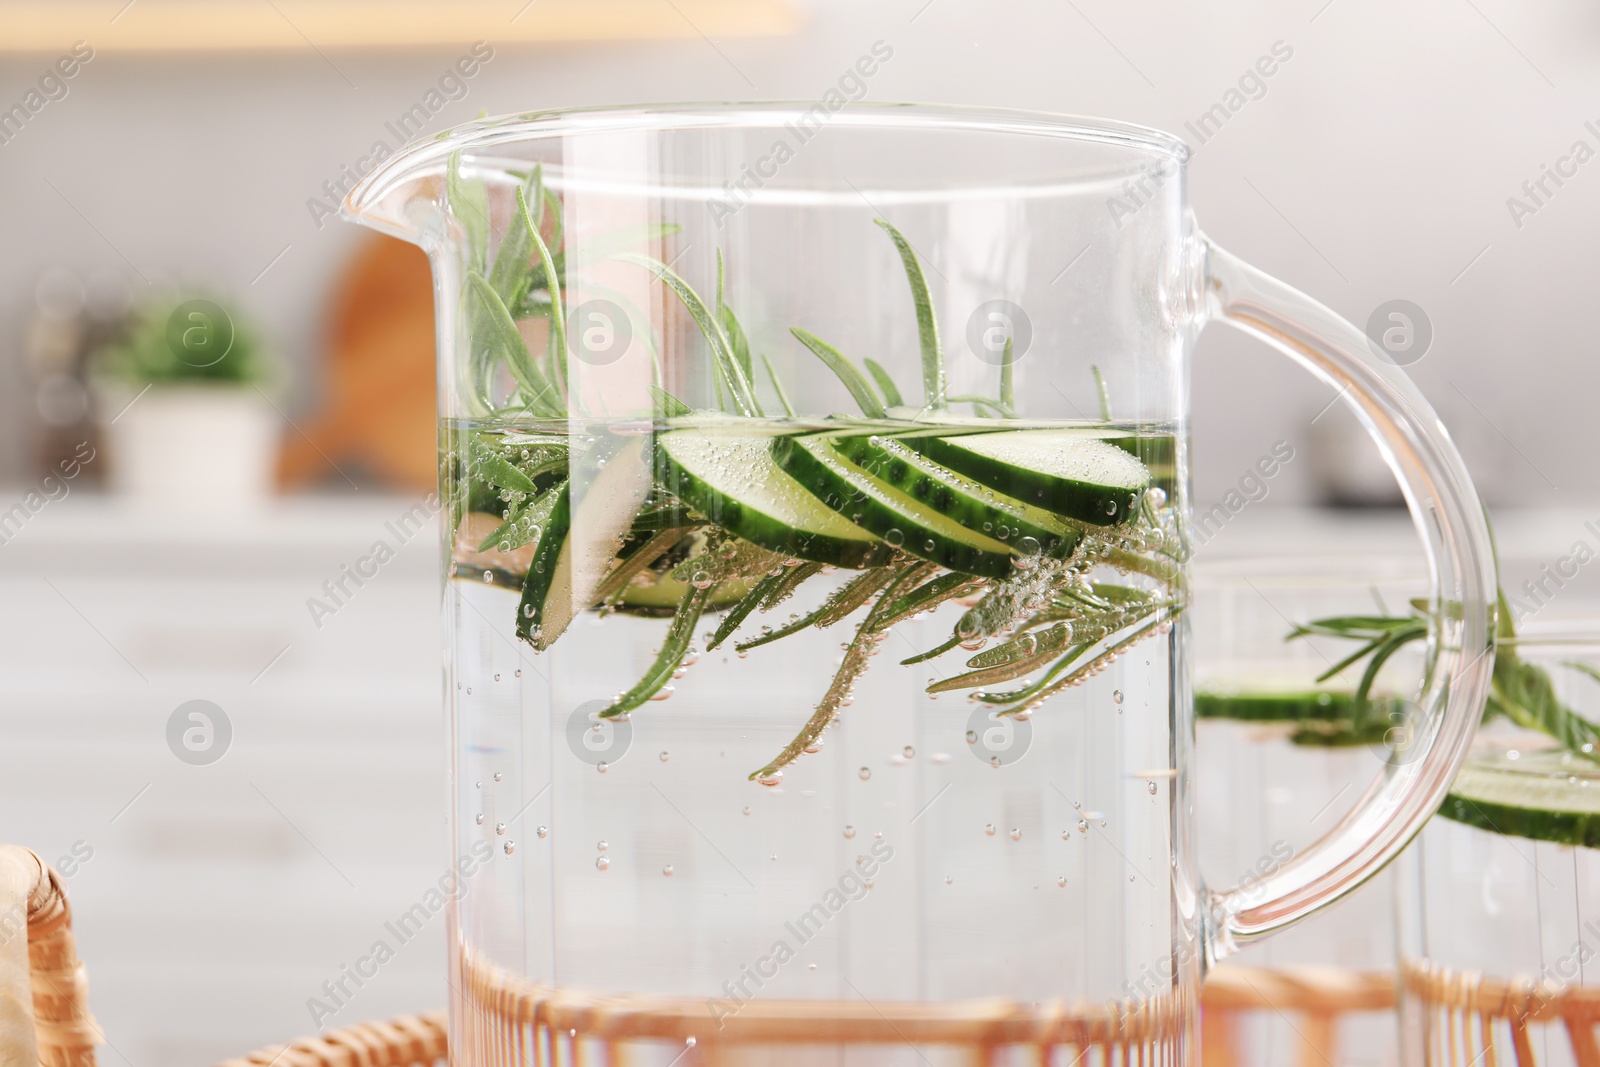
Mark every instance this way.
x=190 y=26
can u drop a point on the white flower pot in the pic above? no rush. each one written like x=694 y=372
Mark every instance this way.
x=193 y=446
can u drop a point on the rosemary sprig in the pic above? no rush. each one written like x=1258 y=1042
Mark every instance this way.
x=1520 y=692
x=861 y=389
x=933 y=381
x=730 y=371
x=886 y=386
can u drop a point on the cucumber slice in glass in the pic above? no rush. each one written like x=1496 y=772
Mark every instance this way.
x=1297 y=707
x=729 y=475
x=897 y=518
x=972 y=504
x=1072 y=474
x=1551 y=795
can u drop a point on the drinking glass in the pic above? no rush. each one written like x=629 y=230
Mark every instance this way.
x=1499 y=909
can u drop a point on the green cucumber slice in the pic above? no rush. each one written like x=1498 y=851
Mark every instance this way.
x=1546 y=796
x=1072 y=474
x=1159 y=454
x=1297 y=707
x=581 y=539
x=730 y=476
x=973 y=505
x=900 y=520
x=663 y=596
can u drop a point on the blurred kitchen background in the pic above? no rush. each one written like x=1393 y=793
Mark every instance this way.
x=195 y=150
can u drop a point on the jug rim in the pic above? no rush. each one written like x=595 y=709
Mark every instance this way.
x=423 y=154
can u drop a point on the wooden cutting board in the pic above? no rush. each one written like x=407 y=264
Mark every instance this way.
x=377 y=419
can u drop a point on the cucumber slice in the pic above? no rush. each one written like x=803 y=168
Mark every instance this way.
x=663 y=596
x=1158 y=453
x=975 y=506
x=1072 y=474
x=729 y=475
x=900 y=520
x=581 y=539
x=1546 y=796
x=1297 y=707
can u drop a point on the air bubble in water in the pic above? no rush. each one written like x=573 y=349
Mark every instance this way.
x=988 y=828
x=510 y=847
x=663 y=756
x=500 y=828
x=972 y=737
x=542 y=832
x=1116 y=696
x=994 y=761
x=1083 y=826
x=1062 y=881
x=747 y=809
x=769 y=780
x=667 y=870
x=908 y=752
x=849 y=831
x=1016 y=834
x=602 y=767
x=499 y=776
x=1154 y=789
x=497 y=676
x=601 y=863
x=969 y=628
x=478 y=818
x=895 y=538
x=864 y=773
x=948 y=880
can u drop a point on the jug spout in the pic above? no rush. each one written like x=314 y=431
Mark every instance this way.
x=403 y=196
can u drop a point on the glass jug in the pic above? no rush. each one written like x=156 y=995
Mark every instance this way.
x=860 y=434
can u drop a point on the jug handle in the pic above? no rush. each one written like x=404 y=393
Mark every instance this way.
x=1460 y=558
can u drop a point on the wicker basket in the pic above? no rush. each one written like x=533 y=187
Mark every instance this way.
x=1469 y=1018
x=44 y=996
x=1466 y=1018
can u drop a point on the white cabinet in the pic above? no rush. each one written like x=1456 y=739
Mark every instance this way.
x=219 y=898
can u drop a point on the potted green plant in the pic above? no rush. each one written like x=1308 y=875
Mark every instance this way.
x=184 y=411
